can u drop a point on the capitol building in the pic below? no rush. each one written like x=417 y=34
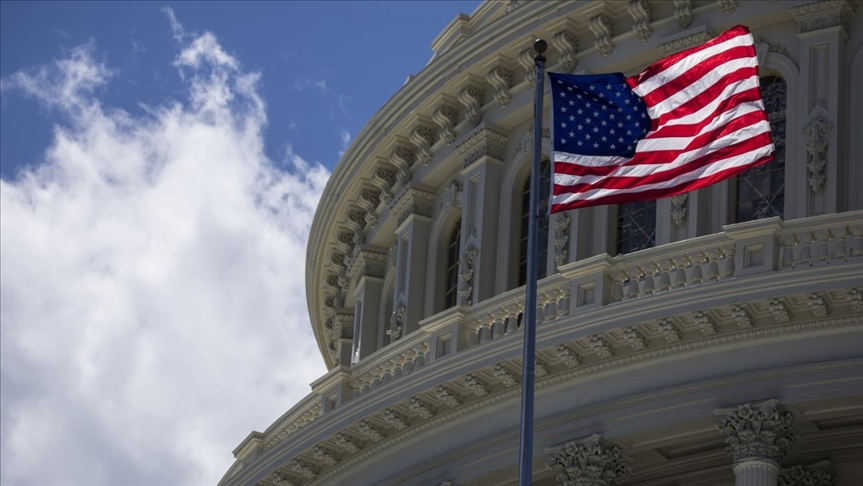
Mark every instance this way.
x=712 y=338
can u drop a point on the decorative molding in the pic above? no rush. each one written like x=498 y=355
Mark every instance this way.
x=347 y=443
x=476 y=385
x=816 y=148
x=503 y=375
x=466 y=277
x=817 y=474
x=325 y=455
x=369 y=200
x=780 y=311
x=471 y=96
x=500 y=77
x=561 y=238
x=421 y=408
x=423 y=137
x=413 y=200
x=303 y=469
x=602 y=27
x=370 y=431
x=855 y=298
x=685 y=42
x=526 y=61
x=823 y=14
x=384 y=179
x=566 y=43
x=818 y=306
x=758 y=431
x=669 y=331
x=397 y=322
x=641 y=11
x=705 y=323
x=634 y=338
x=448 y=396
x=452 y=194
x=588 y=463
x=402 y=158
x=600 y=347
x=446 y=118
x=566 y=355
x=741 y=316
x=678 y=208
x=368 y=263
x=395 y=419
x=683 y=12
x=282 y=479
x=482 y=404
x=485 y=142
x=727 y=6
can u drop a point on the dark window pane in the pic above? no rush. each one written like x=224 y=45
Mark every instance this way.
x=636 y=226
x=452 y=255
x=542 y=223
x=761 y=190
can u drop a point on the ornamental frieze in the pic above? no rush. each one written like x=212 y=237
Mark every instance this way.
x=485 y=142
x=413 y=200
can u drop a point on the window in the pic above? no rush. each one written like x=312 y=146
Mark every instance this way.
x=761 y=190
x=636 y=226
x=450 y=295
x=542 y=223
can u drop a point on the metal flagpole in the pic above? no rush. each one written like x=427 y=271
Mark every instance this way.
x=525 y=460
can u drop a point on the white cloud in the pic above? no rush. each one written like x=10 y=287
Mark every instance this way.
x=346 y=141
x=153 y=309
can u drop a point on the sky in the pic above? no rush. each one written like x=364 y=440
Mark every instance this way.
x=160 y=166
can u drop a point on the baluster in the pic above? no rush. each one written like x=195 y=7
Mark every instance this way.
x=422 y=353
x=857 y=242
x=788 y=251
x=728 y=262
x=680 y=271
x=805 y=257
x=839 y=236
x=821 y=240
x=632 y=287
x=696 y=276
x=713 y=264
x=665 y=274
x=619 y=281
x=498 y=327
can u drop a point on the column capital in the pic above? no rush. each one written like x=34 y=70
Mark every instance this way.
x=822 y=14
x=484 y=141
x=817 y=474
x=413 y=199
x=587 y=462
x=756 y=431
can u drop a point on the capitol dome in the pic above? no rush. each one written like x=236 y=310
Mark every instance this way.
x=712 y=338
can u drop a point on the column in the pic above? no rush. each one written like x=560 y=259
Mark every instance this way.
x=366 y=270
x=413 y=208
x=757 y=436
x=588 y=462
x=481 y=172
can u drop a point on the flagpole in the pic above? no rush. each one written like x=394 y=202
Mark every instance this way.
x=525 y=460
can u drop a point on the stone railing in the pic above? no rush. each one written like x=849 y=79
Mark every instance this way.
x=742 y=250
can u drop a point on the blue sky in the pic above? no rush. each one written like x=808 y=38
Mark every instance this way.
x=327 y=66
x=161 y=165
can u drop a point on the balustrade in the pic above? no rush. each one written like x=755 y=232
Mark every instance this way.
x=699 y=261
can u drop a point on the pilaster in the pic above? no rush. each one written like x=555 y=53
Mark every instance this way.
x=367 y=269
x=413 y=209
x=482 y=166
x=819 y=172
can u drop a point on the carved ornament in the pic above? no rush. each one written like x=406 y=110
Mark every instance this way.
x=589 y=463
x=484 y=142
x=757 y=431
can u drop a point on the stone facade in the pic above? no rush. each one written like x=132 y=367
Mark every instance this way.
x=713 y=338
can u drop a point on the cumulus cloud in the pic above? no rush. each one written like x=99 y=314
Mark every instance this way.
x=153 y=309
x=346 y=141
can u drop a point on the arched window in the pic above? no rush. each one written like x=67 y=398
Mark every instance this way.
x=761 y=190
x=636 y=226
x=453 y=249
x=542 y=223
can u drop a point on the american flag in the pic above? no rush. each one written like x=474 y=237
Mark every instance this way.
x=687 y=121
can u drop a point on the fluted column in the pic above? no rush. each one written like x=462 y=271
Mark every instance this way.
x=758 y=436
